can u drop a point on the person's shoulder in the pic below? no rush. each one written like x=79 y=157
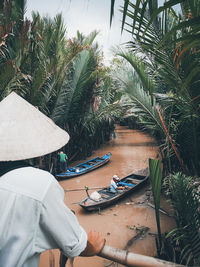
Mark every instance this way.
x=42 y=174
x=37 y=171
x=30 y=181
x=47 y=182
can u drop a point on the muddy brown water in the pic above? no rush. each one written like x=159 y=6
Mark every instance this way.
x=120 y=223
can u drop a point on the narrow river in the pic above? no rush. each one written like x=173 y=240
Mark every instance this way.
x=120 y=223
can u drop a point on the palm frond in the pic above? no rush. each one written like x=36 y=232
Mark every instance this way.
x=74 y=90
x=156 y=177
x=143 y=104
x=140 y=69
x=185 y=200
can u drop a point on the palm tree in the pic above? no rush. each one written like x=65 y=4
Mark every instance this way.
x=59 y=76
x=169 y=43
x=172 y=70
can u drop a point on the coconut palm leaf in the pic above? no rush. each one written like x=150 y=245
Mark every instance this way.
x=185 y=200
x=184 y=25
x=89 y=39
x=140 y=69
x=143 y=103
x=13 y=38
x=6 y=74
x=163 y=61
x=156 y=177
x=175 y=70
x=160 y=48
x=67 y=106
x=112 y=10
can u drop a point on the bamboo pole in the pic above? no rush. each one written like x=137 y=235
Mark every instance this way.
x=83 y=189
x=133 y=260
x=127 y=258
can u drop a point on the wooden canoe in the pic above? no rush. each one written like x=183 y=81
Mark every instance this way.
x=85 y=167
x=132 y=181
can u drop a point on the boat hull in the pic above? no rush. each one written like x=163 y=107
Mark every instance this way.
x=85 y=167
x=133 y=181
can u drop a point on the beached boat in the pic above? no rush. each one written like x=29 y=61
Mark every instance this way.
x=106 y=198
x=85 y=167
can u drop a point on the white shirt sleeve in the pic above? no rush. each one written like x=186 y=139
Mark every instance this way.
x=58 y=226
x=113 y=186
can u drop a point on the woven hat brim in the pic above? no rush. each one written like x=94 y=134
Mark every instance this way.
x=25 y=132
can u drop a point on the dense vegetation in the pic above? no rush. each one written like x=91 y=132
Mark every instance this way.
x=167 y=96
x=64 y=78
x=162 y=79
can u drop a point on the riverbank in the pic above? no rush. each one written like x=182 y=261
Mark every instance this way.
x=130 y=224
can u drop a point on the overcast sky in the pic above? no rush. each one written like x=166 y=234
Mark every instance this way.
x=85 y=16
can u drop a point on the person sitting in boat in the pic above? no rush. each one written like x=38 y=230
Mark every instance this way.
x=114 y=187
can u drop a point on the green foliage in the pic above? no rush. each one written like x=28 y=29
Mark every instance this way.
x=156 y=178
x=168 y=45
x=72 y=102
x=141 y=70
x=143 y=105
x=62 y=77
x=171 y=76
x=184 y=197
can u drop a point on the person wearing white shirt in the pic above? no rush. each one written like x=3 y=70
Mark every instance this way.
x=34 y=217
x=114 y=187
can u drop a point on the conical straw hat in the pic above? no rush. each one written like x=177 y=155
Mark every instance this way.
x=25 y=132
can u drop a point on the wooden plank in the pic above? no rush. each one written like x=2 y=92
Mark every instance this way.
x=105 y=196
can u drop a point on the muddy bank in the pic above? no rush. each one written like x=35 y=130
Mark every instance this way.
x=130 y=223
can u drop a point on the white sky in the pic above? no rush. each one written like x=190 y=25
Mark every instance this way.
x=86 y=16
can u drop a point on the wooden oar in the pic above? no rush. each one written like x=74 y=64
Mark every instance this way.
x=128 y=258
